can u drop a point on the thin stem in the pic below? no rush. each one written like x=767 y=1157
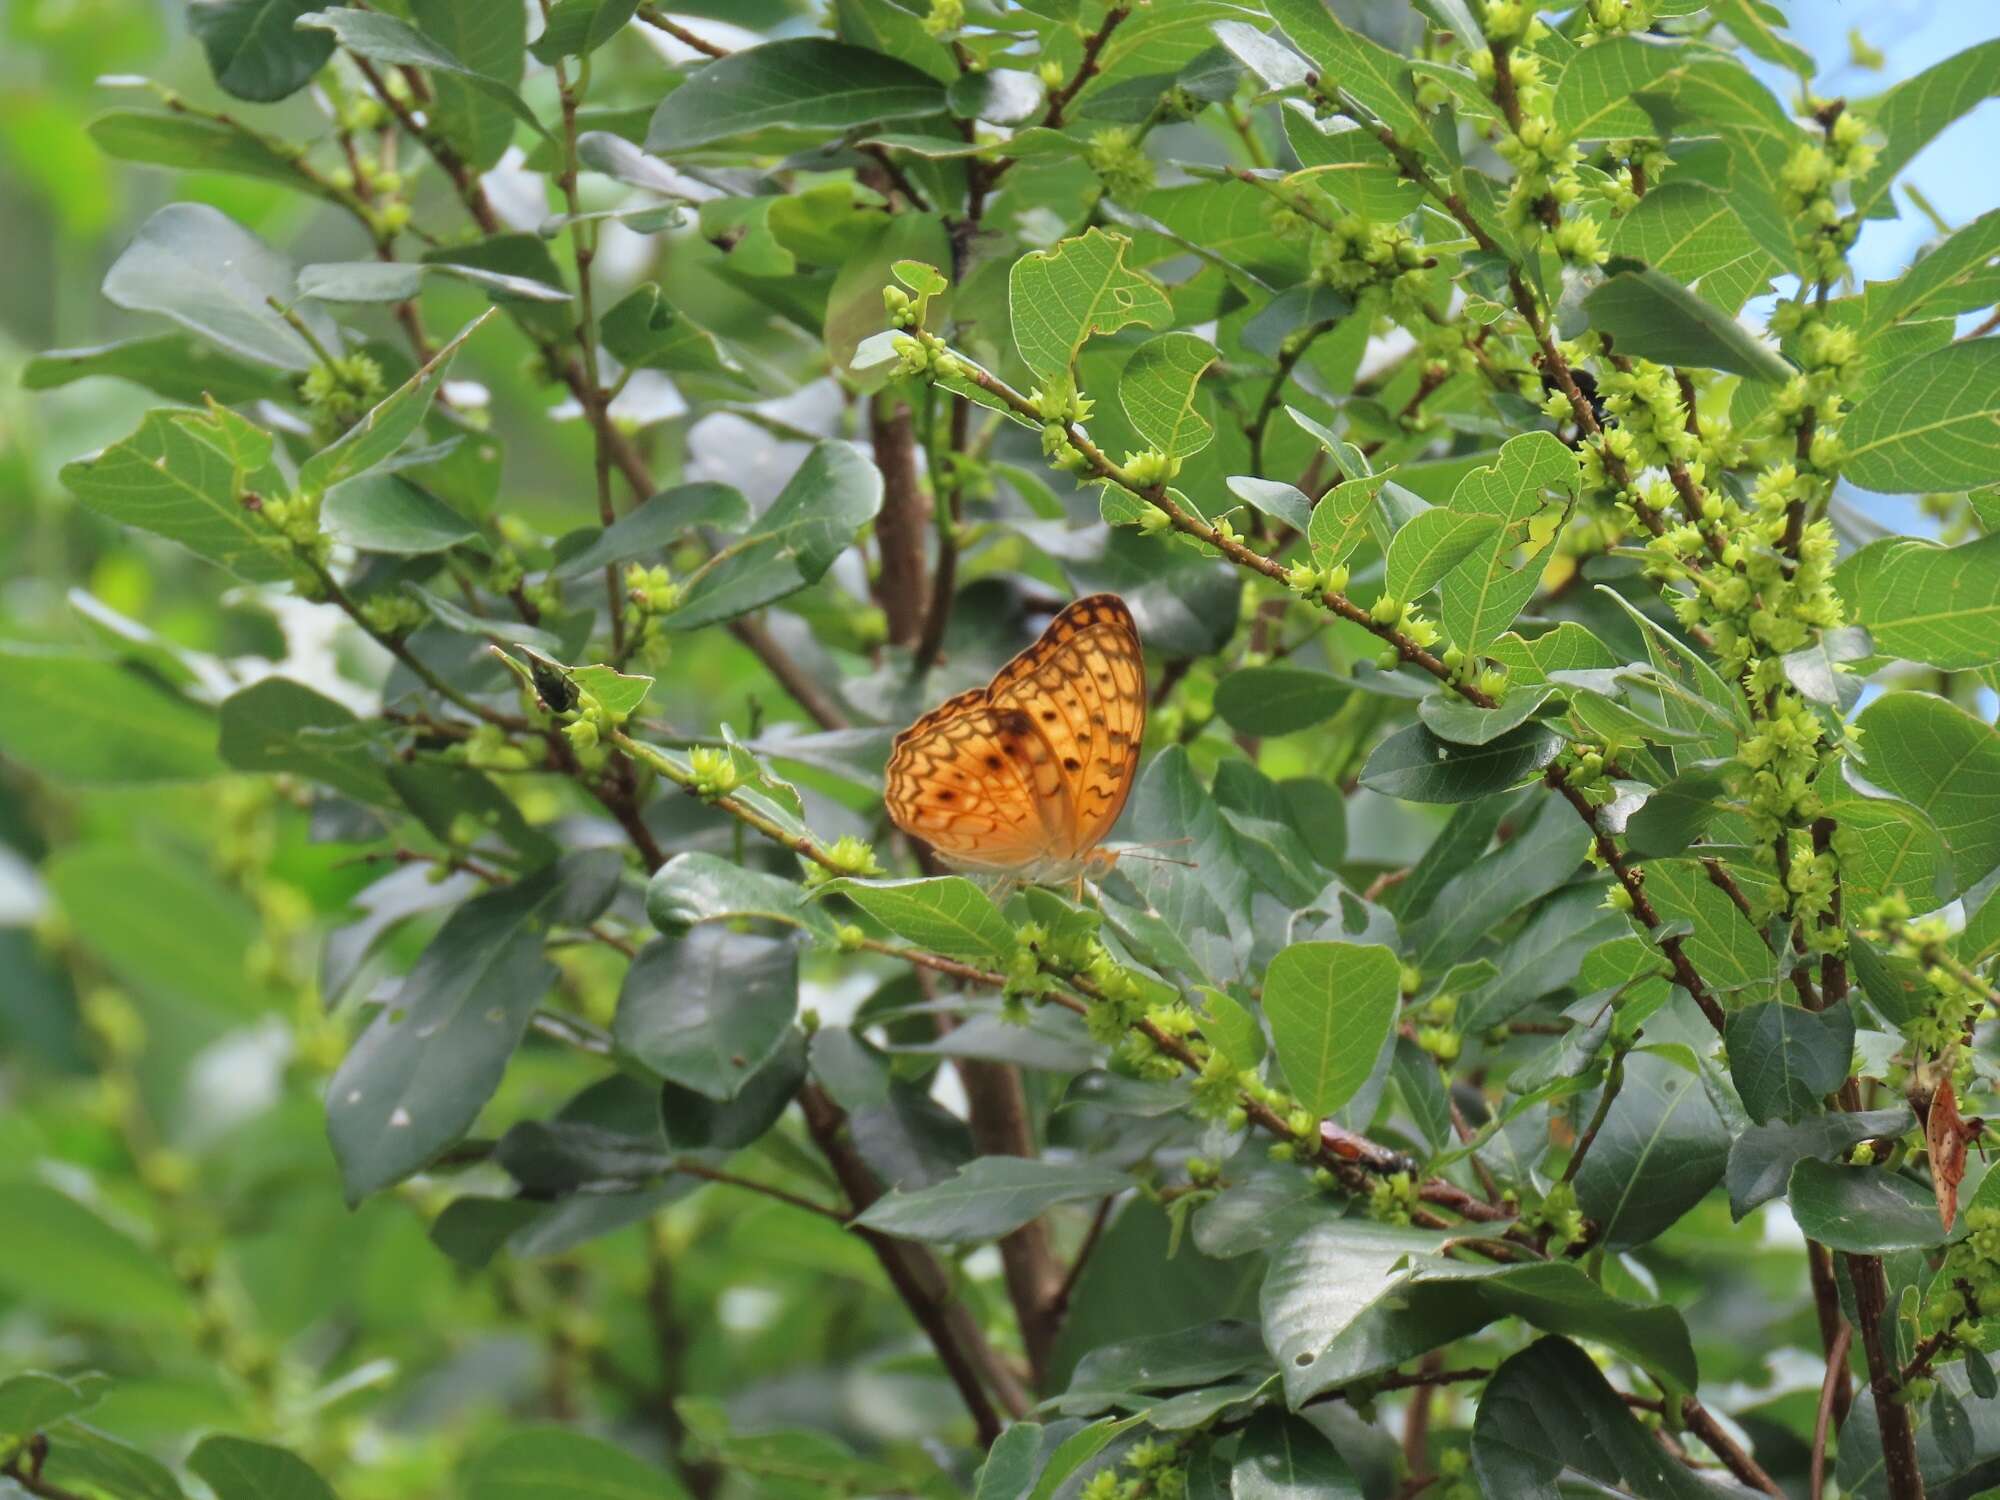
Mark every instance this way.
x=652 y=15
x=1087 y=69
x=1614 y=1080
x=1829 y=1389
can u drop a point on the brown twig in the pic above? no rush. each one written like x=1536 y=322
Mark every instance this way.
x=1087 y=69
x=652 y=15
x=901 y=524
x=1899 y=1441
x=1829 y=1390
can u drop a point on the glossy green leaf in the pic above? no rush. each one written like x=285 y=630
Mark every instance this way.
x=490 y=40
x=1549 y=1413
x=1863 y=1210
x=195 y=143
x=1648 y=313
x=32 y=1400
x=161 y=923
x=578 y=28
x=386 y=39
x=706 y=1010
x=1660 y=1149
x=1331 y=1007
x=365 y=281
x=1346 y=60
x=1278 y=699
x=808 y=83
x=238 y=1469
x=663 y=520
x=1785 y=1059
x=647 y=332
x=416 y=1079
x=282 y=725
x=1912 y=113
x=835 y=492
x=215 y=278
x=1431 y=545
x=1417 y=766
x=253 y=49
x=1762 y=1158
x=173 y=365
x=382 y=512
x=990 y=1196
x=1284 y=1457
x=386 y=426
x=946 y=914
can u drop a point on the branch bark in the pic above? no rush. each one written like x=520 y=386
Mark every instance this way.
x=901 y=586
x=1899 y=1439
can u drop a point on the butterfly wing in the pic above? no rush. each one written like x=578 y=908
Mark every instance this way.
x=1081 y=688
x=962 y=779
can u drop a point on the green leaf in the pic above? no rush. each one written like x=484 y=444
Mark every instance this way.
x=1965 y=256
x=1863 y=1210
x=1677 y=814
x=1724 y=947
x=1062 y=296
x=60 y=1257
x=1451 y=717
x=1008 y=1471
x=81 y=1457
x=1278 y=700
x=1281 y=502
x=385 y=39
x=281 y=725
x=578 y=28
x=1348 y=62
x=947 y=914
x=661 y=522
x=1887 y=846
x=1549 y=1414
x=208 y=273
x=804 y=82
x=833 y=494
x=1595 y=96
x=1912 y=113
x=1341 y=520
x=647 y=332
x=171 y=364
x=618 y=693
x=1784 y=1059
x=490 y=40
x=1417 y=766
x=991 y=1196
x=398 y=280
x=183 y=476
x=32 y=1401
x=1695 y=235
x=380 y=512
x=1944 y=762
x=252 y=48
x=1648 y=313
x=163 y=925
x=238 y=1469
x=1932 y=423
x=195 y=143
x=1284 y=1457
x=387 y=425
x=1762 y=1158
x=694 y=887
x=552 y=1463
x=1659 y=1151
x=1430 y=545
x=999 y=96
x=80 y=717
x=1347 y=1299
x=1157 y=390
x=1331 y=1007
x=708 y=1009
x=1537 y=860
x=416 y=1079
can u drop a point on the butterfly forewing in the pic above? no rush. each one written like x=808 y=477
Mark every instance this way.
x=1083 y=687
x=1034 y=769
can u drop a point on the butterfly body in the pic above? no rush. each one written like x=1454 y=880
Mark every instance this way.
x=1023 y=778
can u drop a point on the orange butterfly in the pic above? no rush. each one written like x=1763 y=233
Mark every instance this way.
x=1023 y=778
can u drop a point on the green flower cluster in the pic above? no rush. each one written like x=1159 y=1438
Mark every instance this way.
x=1354 y=255
x=1952 y=1005
x=1148 y=1470
x=1810 y=181
x=1117 y=154
x=338 y=391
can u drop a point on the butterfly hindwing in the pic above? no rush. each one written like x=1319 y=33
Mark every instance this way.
x=1034 y=769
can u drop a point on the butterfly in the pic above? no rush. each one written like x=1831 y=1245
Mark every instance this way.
x=1024 y=777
